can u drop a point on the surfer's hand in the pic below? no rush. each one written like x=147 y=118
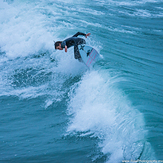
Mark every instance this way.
x=65 y=48
x=88 y=34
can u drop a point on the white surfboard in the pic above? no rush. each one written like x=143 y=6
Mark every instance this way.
x=89 y=55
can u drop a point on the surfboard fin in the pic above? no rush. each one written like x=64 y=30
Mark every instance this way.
x=88 y=52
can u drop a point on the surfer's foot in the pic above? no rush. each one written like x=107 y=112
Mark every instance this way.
x=80 y=60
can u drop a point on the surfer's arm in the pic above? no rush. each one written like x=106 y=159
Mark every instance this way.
x=65 y=48
x=79 y=33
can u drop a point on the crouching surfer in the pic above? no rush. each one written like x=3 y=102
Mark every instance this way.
x=72 y=41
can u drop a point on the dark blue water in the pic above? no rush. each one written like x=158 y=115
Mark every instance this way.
x=53 y=109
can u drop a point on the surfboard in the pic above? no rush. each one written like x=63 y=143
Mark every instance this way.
x=89 y=55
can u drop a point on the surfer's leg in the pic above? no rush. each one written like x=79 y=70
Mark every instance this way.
x=80 y=60
x=76 y=50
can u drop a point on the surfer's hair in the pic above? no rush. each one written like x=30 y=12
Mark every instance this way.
x=57 y=44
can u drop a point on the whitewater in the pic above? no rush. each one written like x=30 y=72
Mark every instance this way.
x=54 y=109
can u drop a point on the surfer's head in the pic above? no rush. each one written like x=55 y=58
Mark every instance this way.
x=58 y=45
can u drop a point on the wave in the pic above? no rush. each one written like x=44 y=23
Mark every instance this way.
x=97 y=108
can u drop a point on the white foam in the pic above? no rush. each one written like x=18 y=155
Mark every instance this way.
x=22 y=30
x=99 y=108
x=67 y=64
x=91 y=24
x=131 y=3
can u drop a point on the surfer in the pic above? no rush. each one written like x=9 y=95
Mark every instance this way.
x=72 y=41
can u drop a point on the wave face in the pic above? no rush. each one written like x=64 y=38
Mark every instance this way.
x=53 y=109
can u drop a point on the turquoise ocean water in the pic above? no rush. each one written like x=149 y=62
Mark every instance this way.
x=53 y=109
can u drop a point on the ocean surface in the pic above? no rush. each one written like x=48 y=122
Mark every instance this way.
x=55 y=110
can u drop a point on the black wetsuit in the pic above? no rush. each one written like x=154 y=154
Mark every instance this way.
x=74 y=41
